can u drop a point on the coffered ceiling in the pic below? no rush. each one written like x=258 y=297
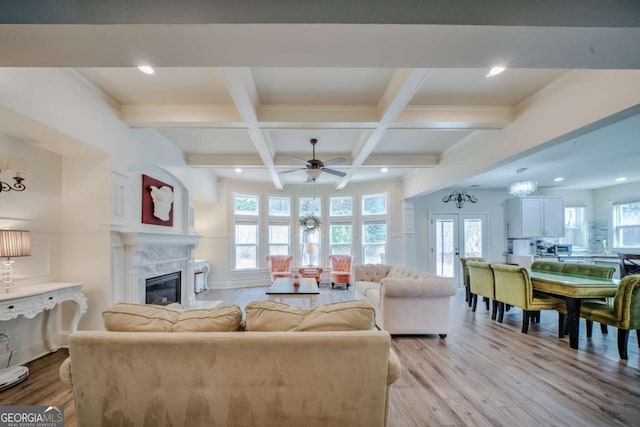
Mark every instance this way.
x=399 y=89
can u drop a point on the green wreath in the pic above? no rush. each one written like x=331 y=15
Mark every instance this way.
x=310 y=223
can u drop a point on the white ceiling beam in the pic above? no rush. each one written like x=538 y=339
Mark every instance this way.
x=245 y=95
x=319 y=117
x=455 y=117
x=188 y=116
x=401 y=89
x=415 y=160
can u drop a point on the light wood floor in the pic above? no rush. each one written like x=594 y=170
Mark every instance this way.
x=483 y=374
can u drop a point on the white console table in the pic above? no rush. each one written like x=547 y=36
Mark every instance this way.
x=28 y=301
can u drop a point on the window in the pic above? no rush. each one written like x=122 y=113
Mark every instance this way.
x=279 y=239
x=374 y=204
x=341 y=236
x=575 y=227
x=374 y=242
x=626 y=225
x=245 y=205
x=246 y=245
x=341 y=206
x=309 y=206
x=279 y=206
x=310 y=248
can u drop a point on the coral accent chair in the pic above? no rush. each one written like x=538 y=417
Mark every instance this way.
x=340 y=269
x=279 y=266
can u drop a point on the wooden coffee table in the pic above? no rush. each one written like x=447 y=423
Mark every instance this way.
x=284 y=288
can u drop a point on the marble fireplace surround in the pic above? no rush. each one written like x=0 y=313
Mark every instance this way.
x=139 y=256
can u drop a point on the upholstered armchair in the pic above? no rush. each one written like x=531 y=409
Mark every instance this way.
x=279 y=266
x=465 y=277
x=513 y=287
x=624 y=313
x=340 y=269
x=481 y=282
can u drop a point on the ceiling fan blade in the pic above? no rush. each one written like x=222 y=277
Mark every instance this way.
x=333 y=172
x=302 y=160
x=335 y=161
x=292 y=170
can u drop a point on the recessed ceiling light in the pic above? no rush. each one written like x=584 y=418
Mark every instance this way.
x=558 y=179
x=384 y=170
x=494 y=71
x=147 y=69
x=238 y=170
x=622 y=178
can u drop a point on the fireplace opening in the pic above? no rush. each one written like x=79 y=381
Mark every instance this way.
x=163 y=290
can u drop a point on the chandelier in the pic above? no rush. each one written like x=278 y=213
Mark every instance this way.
x=524 y=187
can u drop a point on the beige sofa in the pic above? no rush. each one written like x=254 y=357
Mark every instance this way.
x=406 y=301
x=242 y=378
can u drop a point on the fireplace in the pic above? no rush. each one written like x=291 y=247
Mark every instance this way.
x=163 y=290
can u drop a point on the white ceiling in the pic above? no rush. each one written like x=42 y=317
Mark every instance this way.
x=398 y=89
x=296 y=104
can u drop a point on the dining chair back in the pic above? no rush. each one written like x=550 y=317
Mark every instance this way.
x=629 y=264
x=481 y=282
x=623 y=314
x=465 y=276
x=513 y=286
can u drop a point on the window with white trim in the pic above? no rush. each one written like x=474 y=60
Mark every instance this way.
x=340 y=206
x=575 y=227
x=374 y=242
x=245 y=245
x=341 y=239
x=626 y=225
x=279 y=206
x=279 y=236
x=310 y=206
x=245 y=204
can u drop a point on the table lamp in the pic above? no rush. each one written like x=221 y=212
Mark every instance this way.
x=13 y=243
x=309 y=249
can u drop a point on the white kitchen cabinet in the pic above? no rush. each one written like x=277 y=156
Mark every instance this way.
x=529 y=217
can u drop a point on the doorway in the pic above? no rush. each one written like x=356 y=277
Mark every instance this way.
x=454 y=235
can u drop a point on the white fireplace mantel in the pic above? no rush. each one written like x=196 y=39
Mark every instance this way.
x=142 y=255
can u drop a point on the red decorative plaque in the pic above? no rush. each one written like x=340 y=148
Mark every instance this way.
x=157 y=202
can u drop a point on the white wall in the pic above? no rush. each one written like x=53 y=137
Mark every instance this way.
x=37 y=209
x=85 y=180
x=214 y=223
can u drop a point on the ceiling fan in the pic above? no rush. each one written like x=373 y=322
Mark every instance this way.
x=314 y=167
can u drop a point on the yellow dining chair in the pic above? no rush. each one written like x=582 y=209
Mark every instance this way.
x=513 y=287
x=481 y=282
x=624 y=313
x=465 y=277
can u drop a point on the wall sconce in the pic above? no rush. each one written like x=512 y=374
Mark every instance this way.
x=13 y=243
x=459 y=197
x=15 y=167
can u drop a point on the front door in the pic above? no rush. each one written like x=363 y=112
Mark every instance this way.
x=453 y=236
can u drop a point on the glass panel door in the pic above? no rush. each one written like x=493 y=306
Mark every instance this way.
x=453 y=236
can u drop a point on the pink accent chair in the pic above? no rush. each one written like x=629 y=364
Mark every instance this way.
x=279 y=266
x=340 y=269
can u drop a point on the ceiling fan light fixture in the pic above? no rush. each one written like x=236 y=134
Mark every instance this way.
x=313 y=174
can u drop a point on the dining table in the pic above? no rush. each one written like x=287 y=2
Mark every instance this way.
x=573 y=289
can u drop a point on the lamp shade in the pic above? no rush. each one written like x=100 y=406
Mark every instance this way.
x=15 y=243
x=309 y=248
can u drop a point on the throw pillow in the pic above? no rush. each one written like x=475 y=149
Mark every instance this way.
x=152 y=318
x=272 y=316
x=340 y=316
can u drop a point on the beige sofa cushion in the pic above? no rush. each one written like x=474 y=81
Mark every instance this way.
x=340 y=316
x=152 y=318
x=272 y=316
